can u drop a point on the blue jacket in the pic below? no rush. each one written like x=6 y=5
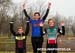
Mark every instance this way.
x=36 y=29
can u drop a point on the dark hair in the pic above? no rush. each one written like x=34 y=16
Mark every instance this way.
x=36 y=13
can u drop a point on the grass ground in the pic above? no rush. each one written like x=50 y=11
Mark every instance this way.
x=8 y=42
x=42 y=52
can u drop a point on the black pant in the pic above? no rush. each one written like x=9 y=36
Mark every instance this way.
x=37 y=43
x=20 y=50
x=51 y=46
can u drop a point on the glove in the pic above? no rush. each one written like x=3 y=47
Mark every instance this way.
x=11 y=22
x=27 y=21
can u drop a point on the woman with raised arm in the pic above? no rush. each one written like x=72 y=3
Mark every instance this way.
x=52 y=33
x=36 y=23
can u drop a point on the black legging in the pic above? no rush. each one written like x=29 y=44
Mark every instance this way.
x=20 y=50
x=51 y=46
x=37 y=43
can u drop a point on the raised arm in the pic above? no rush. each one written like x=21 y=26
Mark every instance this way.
x=24 y=10
x=11 y=28
x=45 y=16
x=44 y=31
x=62 y=30
x=27 y=28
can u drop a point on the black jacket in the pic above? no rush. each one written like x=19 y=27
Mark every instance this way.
x=20 y=38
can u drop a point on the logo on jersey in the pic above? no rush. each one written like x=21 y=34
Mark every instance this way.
x=36 y=25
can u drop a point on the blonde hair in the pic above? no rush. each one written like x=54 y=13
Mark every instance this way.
x=52 y=20
x=20 y=27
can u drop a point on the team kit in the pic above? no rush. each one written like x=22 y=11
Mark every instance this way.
x=53 y=31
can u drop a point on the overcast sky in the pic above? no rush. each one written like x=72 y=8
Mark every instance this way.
x=63 y=7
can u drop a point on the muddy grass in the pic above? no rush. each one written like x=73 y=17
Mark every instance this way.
x=8 y=44
x=32 y=52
